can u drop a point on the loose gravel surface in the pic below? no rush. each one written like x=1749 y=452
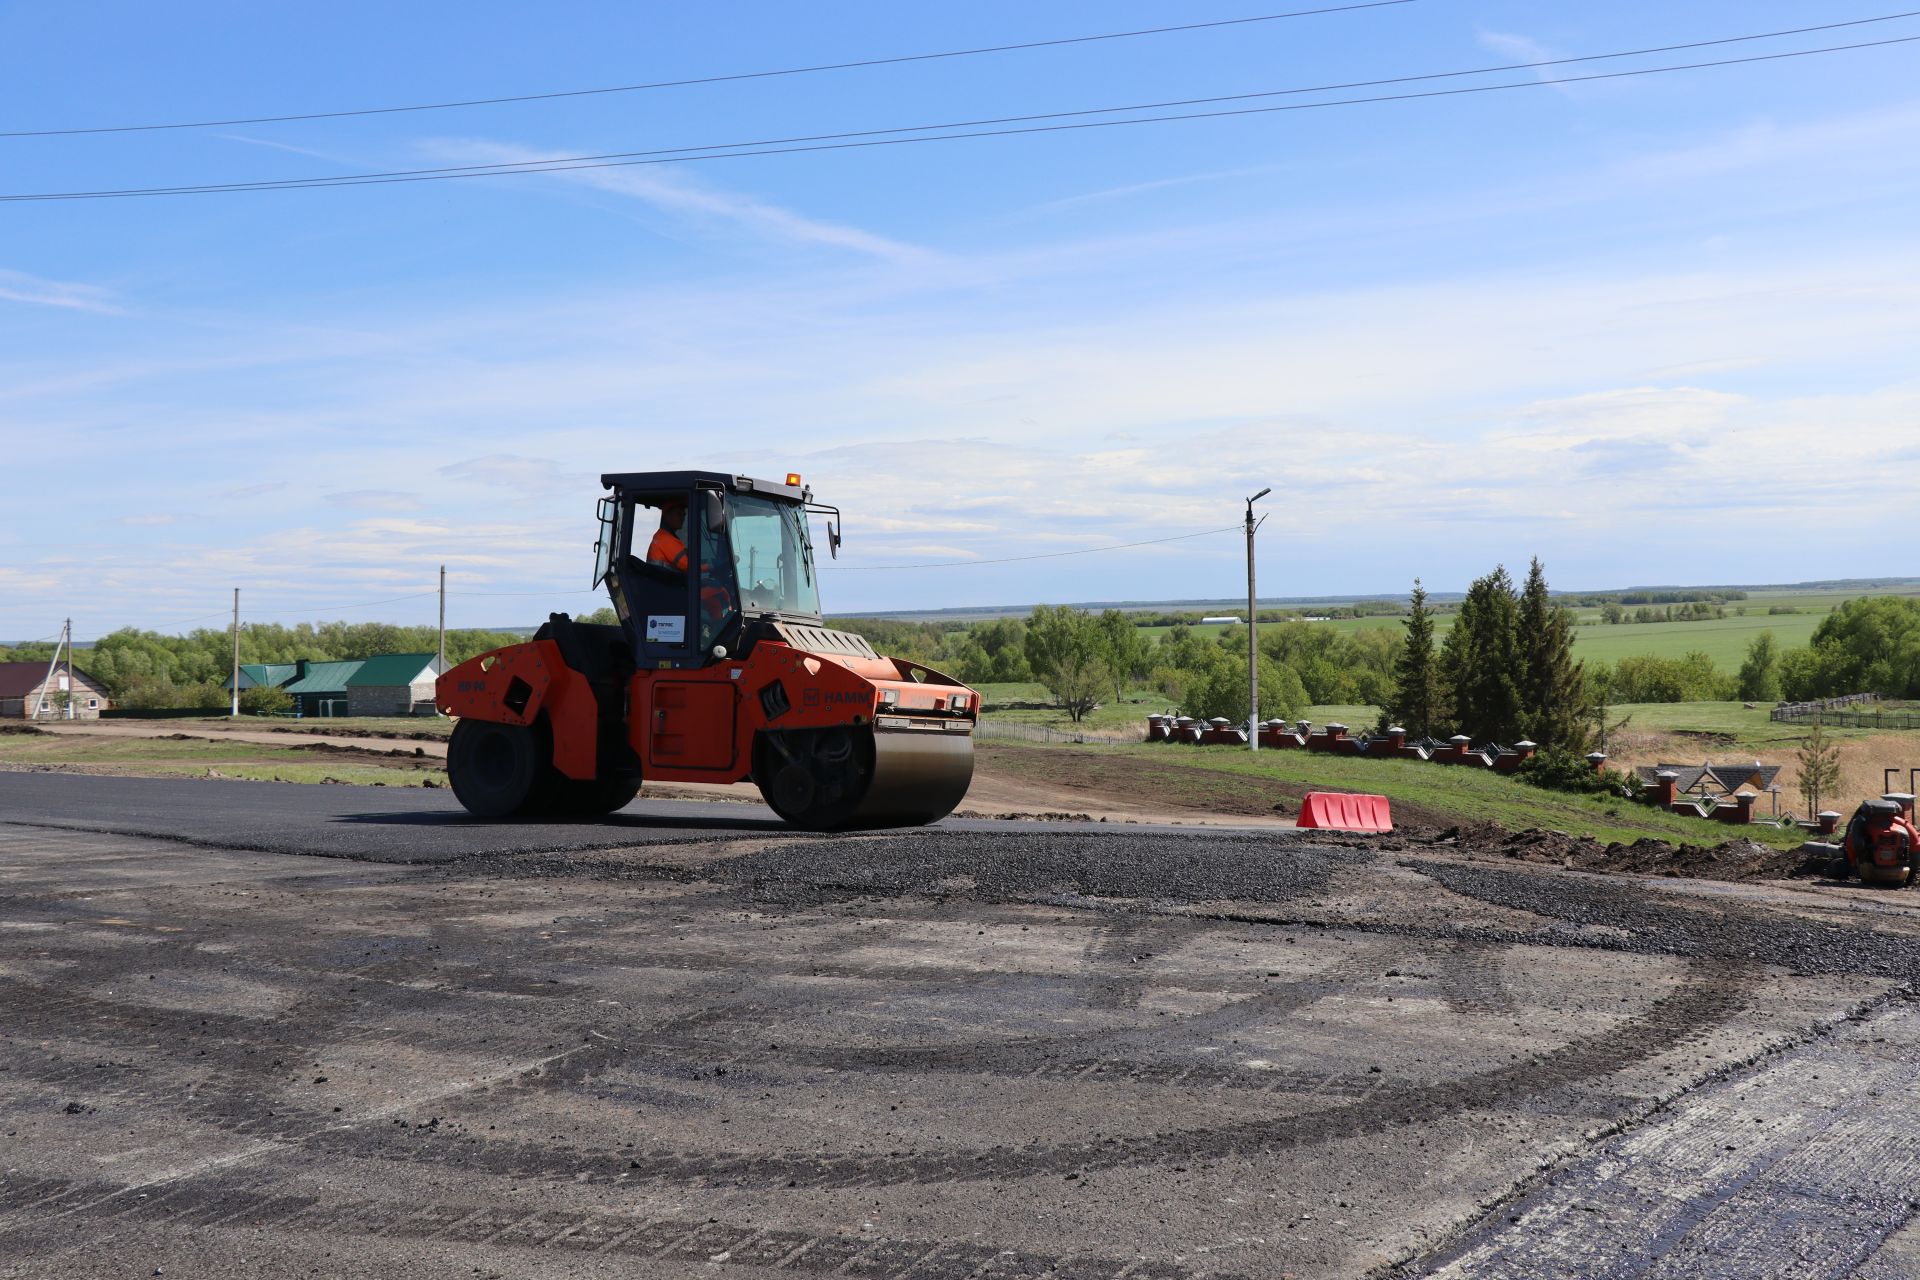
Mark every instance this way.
x=665 y=1046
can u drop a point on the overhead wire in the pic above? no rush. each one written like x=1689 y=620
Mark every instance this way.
x=713 y=79
x=870 y=138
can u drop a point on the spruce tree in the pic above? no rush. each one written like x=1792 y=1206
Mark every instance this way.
x=1819 y=759
x=1414 y=677
x=1482 y=660
x=1553 y=687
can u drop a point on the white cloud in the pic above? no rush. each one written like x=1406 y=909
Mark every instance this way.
x=374 y=500
x=255 y=490
x=18 y=286
x=521 y=476
x=1521 y=48
x=688 y=196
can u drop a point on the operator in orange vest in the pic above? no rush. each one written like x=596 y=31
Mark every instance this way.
x=669 y=550
x=669 y=546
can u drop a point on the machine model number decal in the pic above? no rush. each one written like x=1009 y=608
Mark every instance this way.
x=473 y=686
x=666 y=628
x=814 y=697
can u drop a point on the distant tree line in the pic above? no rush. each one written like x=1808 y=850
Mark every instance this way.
x=145 y=670
x=1505 y=669
x=1615 y=612
x=1084 y=659
x=1593 y=600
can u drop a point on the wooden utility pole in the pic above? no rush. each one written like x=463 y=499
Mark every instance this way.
x=235 y=712
x=1253 y=630
x=53 y=664
x=443 y=620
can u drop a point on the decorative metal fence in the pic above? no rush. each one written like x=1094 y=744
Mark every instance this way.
x=991 y=728
x=1855 y=711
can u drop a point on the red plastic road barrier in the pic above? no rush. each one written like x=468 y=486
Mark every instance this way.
x=1340 y=811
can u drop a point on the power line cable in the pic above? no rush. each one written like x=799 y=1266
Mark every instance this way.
x=1045 y=555
x=867 y=138
x=700 y=80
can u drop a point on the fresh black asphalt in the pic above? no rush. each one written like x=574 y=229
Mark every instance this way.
x=389 y=824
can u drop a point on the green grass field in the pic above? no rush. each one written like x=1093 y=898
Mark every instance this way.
x=200 y=758
x=1725 y=640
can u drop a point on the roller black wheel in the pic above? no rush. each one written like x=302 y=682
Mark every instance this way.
x=495 y=769
x=817 y=779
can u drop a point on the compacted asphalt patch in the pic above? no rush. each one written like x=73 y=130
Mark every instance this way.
x=691 y=1041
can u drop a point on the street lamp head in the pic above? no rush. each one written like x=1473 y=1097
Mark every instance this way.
x=1263 y=493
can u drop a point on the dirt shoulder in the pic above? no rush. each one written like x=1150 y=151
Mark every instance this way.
x=434 y=745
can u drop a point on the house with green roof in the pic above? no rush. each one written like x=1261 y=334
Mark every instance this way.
x=393 y=684
x=322 y=690
x=265 y=675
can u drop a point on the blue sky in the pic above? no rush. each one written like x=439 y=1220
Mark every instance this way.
x=1656 y=329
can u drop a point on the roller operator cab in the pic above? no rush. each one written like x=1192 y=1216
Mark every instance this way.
x=721 y=669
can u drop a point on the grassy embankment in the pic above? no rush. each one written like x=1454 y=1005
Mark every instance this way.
x=204 y=758
x=1686 y=732
x=1451 y=794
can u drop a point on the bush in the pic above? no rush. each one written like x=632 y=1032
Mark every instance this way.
x=1222 y=691
x=1647 y=678
x=265 y=700
x=1557 y=769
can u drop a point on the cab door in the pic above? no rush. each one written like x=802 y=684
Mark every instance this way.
x=690 y=724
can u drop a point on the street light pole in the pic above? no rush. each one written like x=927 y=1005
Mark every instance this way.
x=235 y=713
x=1253 y=631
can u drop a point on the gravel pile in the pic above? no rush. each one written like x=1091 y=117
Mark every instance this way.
x=1730 y=860
x=1656 y=927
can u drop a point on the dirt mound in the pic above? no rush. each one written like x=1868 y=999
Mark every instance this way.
x=1705 y=737
x=1730 y=860
x=21 y=728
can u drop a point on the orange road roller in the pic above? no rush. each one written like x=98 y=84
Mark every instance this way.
x=721 y=669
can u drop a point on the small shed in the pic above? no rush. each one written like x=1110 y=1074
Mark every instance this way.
x=22 y=685
x=321 y=690
x=393 y=684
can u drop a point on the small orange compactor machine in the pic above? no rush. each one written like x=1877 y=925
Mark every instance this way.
x=721 y=669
